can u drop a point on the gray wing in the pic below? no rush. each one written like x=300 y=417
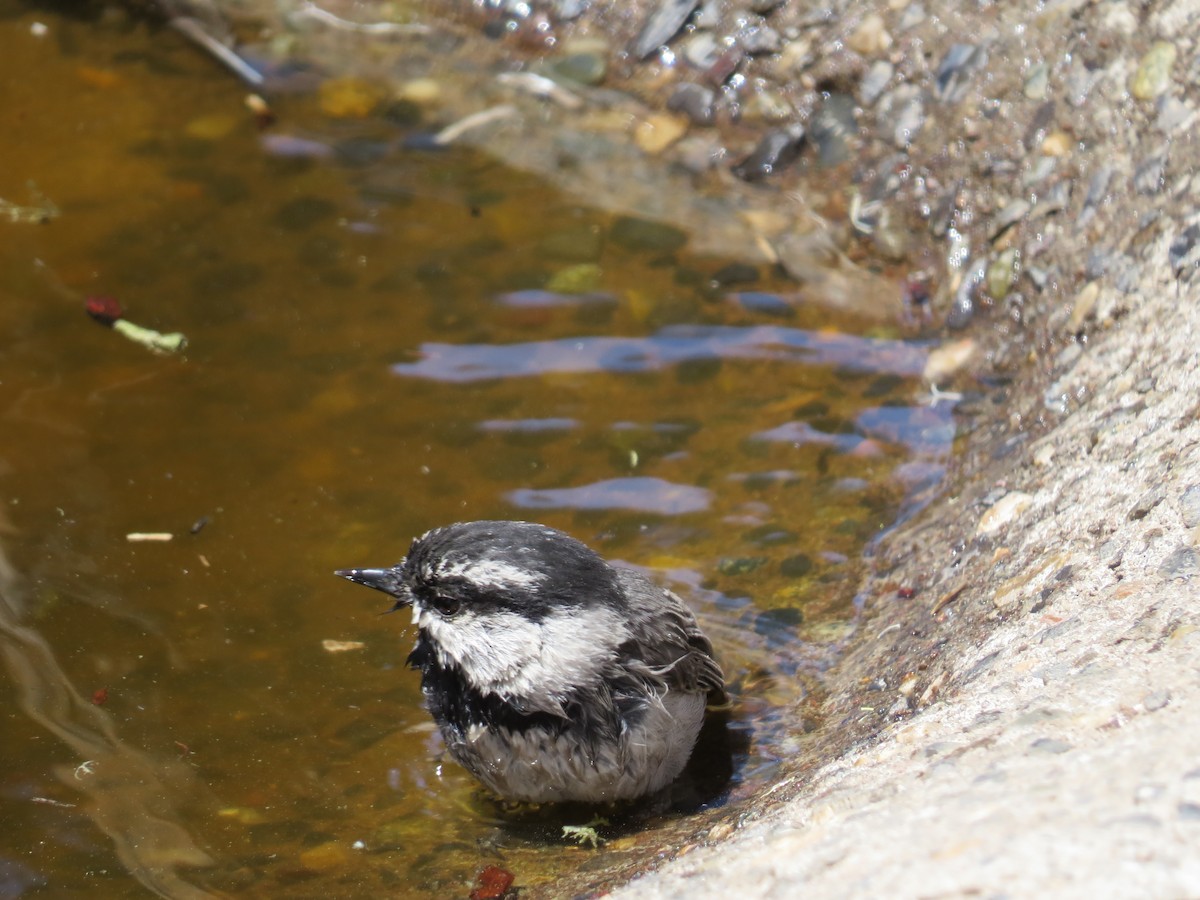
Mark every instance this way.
x=668 y=639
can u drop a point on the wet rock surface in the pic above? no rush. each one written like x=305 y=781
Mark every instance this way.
x=1038 y=162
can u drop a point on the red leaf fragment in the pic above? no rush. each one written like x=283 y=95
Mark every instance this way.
x=100 y=697
x=492 y=883
x=906 y=593
x=104 y=310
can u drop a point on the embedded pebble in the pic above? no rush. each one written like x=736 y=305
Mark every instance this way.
x=831 y=129
x=1156 y=700
x=875 y=81
x=1085 y=302
x=870 y=37
x=1011 y=214
x=1050 y=745
x=1153 y=75
x=581 y=68
x=1003 y=511
x=693 y=100
x=1145 y=504
x=757 y=40
x=1002 y=274
x=1189 y=505
x=656 y=132
x=904 y=111
x=662 y=25
x=1184 y=562
x=1037 y=82
x=1148 y=177
x=775 y=150
x=1057 y=143
x=948 y=359
x=954 y=73
x=642 y=234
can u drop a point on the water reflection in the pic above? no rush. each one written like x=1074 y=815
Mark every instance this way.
x=670 y=346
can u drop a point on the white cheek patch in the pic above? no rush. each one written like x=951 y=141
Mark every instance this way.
x=505 y=653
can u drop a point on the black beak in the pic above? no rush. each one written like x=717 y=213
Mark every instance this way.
x=385 y=580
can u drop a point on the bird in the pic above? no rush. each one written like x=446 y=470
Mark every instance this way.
x=552 y=675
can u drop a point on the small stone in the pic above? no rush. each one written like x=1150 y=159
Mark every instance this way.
x=693 y=100
x=1190 y=506
x=1145 y=504
x=1011 y=214
x=1050 y=745
x=581 y=68
x=1111 y=554
x=1149 y=176
x=740 y=565
x=1085 y=302
x=1037 y=81
x=1057 y=143
x=657 y=132
x=902 y=112
x=1153 y=75
x=948 y=359
x=831 y=129
x=661 y=25
x=767 y=106
x=875 y=81
x=326 y=857
x=1043 y=456
x=954 y=73
x=774 y=151
x=1183 y=563
x=421 y=91
x=1002 y=274
x=1156 y=700
x=1003 y=511
x=758 y=40
x=891 y=237
x=870 y=37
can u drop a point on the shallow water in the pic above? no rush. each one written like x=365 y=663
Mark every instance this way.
x=381 y=340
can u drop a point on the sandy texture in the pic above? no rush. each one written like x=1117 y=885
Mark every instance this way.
x=1063 y=754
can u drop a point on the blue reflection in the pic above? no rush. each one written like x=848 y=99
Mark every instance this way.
x=652 y=495
x=527 y=425
x=671 y=345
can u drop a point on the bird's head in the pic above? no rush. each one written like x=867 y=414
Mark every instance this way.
x=517 y=609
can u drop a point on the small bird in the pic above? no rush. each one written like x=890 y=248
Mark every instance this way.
x=552 y=675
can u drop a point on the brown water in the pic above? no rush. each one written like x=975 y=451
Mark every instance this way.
x=381 y=340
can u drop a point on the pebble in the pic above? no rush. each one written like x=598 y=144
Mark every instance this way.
x=1057 y=143
x=1037 y=82
x=1189 y=505
x=1156 y=700
x=581 y=68
x=758 y=40
x=903 y=113
x=962 y=310
x=662 y=25
x=870 y=37
x=349 y=98
x=1011 y=214
x=1003 y=511
x=831 y=129
x=1184 y=562
x=657 y=132
x=875 y=81
x=1148 y=177
x=1153 y=75
x=693 y=100
x=1050 y=745
x=954 y=73
x=776 y=149
x=948 y=359
x=1002 y=274
x=1085 y=302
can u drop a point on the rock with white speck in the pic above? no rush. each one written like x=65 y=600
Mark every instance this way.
x=1003 y=511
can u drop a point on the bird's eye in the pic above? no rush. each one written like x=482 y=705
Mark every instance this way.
x=447 y=606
